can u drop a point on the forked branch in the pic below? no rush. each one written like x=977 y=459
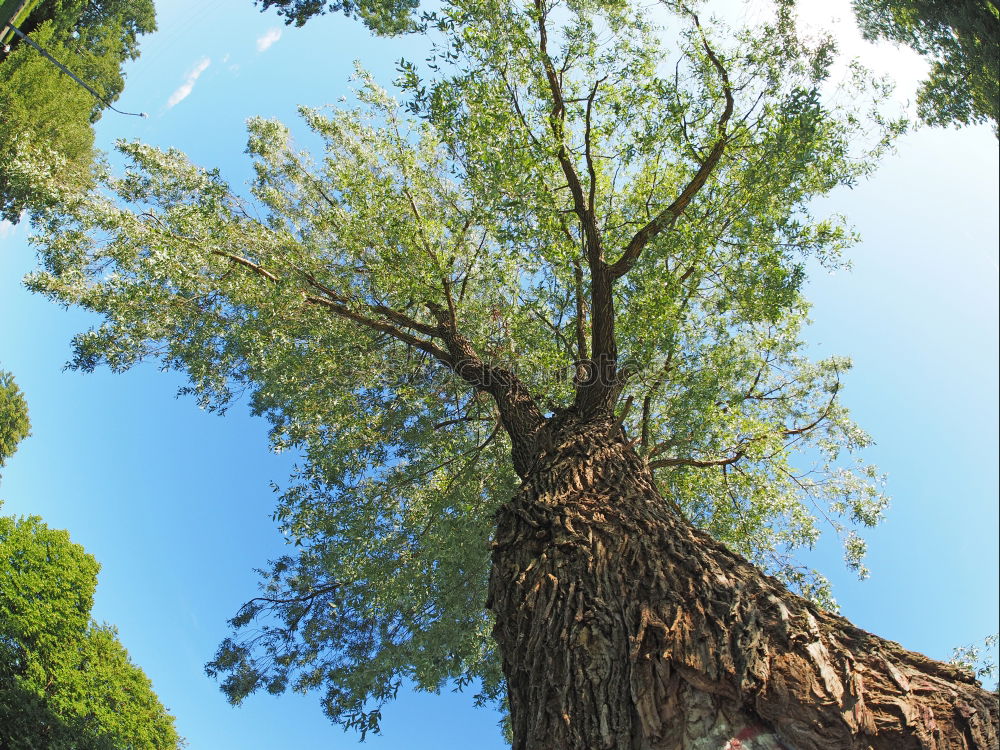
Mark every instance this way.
x=668 y=216
x=557 y=122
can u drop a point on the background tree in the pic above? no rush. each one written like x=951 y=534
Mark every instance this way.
x=381 y=16
x=46 y=117
x=961 y=39
x=14 y=423
x=65 y=681
x=560 y=311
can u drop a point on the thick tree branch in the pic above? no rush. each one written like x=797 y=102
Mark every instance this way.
x=519 y=414
x=345 y=312
x=596 y=387
x=557 y=122
x=666 y=218
x=338 y=306
x=334 y=302
x=397 y=317
x=246 y=263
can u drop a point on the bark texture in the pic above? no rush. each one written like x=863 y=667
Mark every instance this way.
x=623 y=627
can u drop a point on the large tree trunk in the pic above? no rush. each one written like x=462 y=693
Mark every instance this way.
x=622 y=626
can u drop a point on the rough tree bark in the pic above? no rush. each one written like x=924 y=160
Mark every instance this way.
x=622 y=626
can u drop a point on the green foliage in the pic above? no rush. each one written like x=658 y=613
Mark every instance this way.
x=106 y=30
x=961 y=38
x=14 y=423
x=66 y=683
x=46 y=117
x=132 y=17
x=46 y=132
x=319 y=298
x=978 y=658
x=381 y=16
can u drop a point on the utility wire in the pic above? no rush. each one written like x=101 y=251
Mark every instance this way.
x=70 y=73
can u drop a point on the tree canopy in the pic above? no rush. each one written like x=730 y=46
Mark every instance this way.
x=381 y=16
x=369 y=300
x=65 y=681
x=47 y=117
x=961 y=39
x=99 y=29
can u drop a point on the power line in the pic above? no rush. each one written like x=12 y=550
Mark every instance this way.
x=70 y=73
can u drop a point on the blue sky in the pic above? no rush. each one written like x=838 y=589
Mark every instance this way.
x=175 y=503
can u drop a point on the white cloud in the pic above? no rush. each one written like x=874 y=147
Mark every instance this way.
x=7 y=229
x=185 y=88
x=269 y=37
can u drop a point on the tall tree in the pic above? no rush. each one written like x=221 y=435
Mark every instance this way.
x=961 y=38
x=46 y=118
x=539 y=344
x=66 y=682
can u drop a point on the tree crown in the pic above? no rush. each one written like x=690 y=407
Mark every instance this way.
x=65 y=681
x=564 y=216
